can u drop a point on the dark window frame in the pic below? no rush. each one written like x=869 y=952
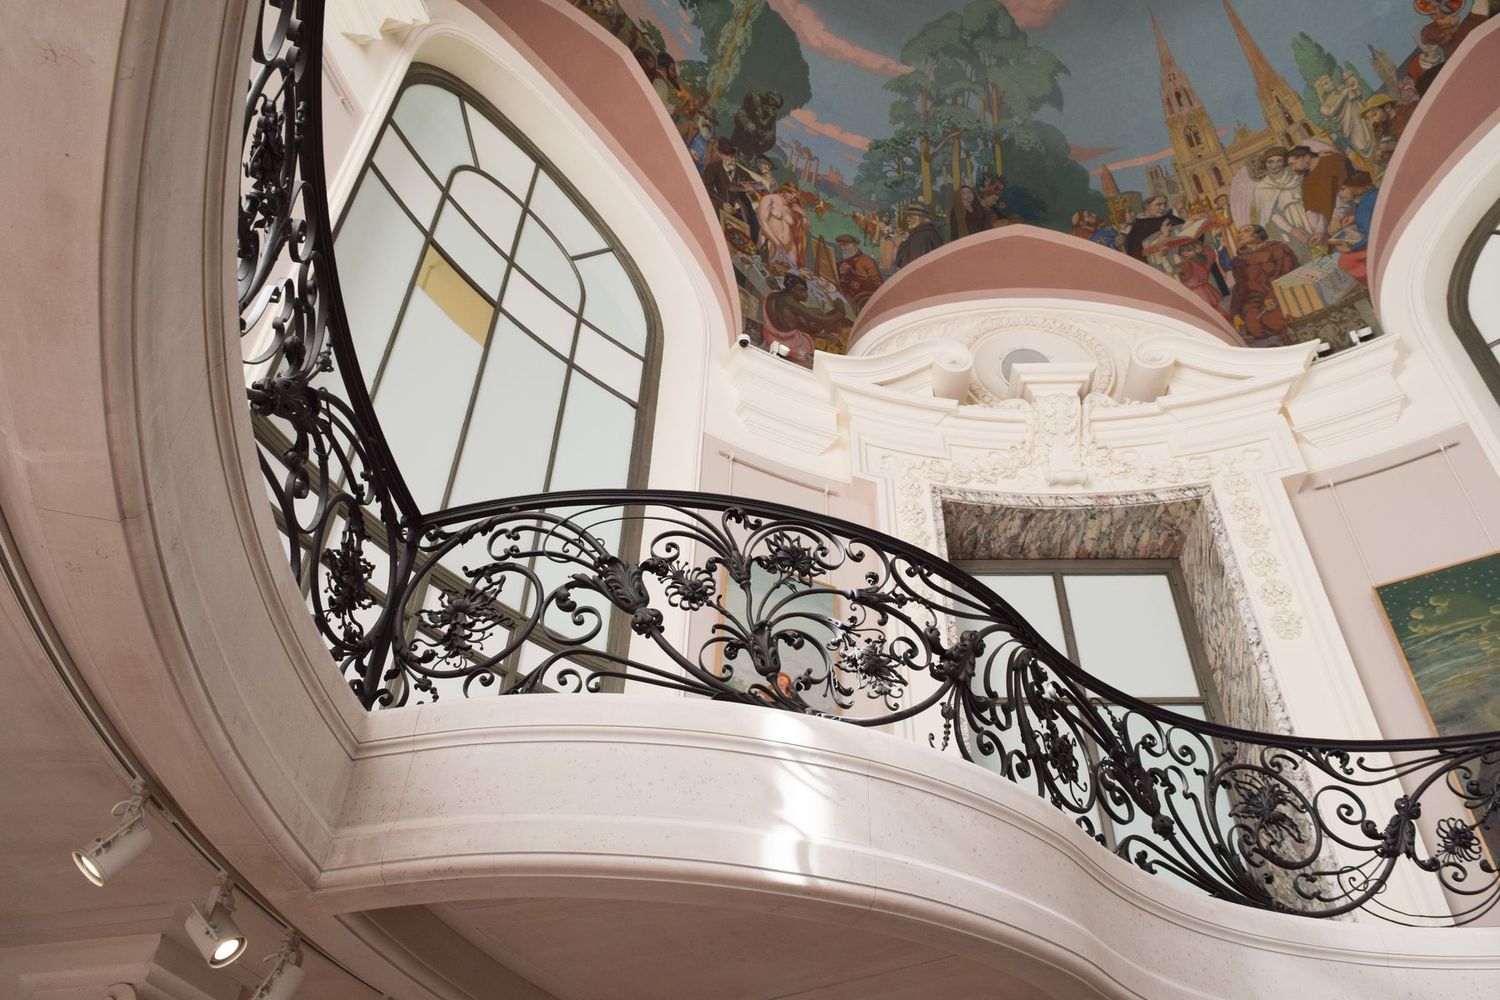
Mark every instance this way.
x=1460 y=318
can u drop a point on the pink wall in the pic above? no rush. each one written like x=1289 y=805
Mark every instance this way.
x=606 y=88
x=1462 y=104
x=1444 y=496
x=1026 y=261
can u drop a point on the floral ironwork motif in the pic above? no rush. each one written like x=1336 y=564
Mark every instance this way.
x=767 y=606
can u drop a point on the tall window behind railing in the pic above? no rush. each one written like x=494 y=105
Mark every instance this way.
x=504 y=343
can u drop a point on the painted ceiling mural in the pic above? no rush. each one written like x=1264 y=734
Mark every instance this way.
x=1236 y=145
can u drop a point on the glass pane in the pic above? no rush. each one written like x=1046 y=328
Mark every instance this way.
x=510 y=434
x=499 y=156
x=463 y=243
x=611 y=303
x=377 y=249
x=423 y=396
x=1129 y=636
x=432 y=122
x=608 y=362
x=1035 y=598
x=532 y=309
x=406 y=177
x=567 y=222
x=496 y=213
x=593 y=449
x=1484 y=291
x=544 y=260
x=455 y=296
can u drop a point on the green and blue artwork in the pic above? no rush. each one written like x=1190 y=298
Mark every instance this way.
x=1447 y=623
x=1238 y=146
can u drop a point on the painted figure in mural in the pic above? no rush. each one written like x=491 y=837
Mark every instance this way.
x=1449 y=23
x=1224 y=227
x=1388 y=120
x=723 y=178
x=783 y=224
x=922 y=237
x=890 y=241
x=1153 y=216
x=1085 y=224
x=968 y=215
x=858 y=274
x=1277 y=204
x=1340 y=103
x=1352 y=241
x=1322 y=173
x=788 y=318
x=1195 y=271
x=700 y=140
x=755 y=123
x=1253 y=304
x=992 y=197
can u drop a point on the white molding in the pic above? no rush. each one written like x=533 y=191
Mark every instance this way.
x=366 y=21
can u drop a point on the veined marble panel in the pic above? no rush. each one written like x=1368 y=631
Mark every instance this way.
x=1182 y=523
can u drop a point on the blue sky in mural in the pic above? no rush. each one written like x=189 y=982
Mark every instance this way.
x=1111 y=95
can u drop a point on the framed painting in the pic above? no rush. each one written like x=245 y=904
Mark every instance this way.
x=1446 y=622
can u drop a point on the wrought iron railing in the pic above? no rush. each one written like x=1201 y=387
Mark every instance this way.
x=769 y=606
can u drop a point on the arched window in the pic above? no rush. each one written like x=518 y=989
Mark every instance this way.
x=1179 y=98
x=1218 y=177
x=506 y=341
x=1197 y=184
x=1474 y=299
x=1194 y=139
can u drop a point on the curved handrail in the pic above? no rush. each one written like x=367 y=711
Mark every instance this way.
x=788 y=609
x=951 y=573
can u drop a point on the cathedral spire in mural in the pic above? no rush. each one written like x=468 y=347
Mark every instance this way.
x=1200 y=162
x=1171 y=73
x=1282 y=105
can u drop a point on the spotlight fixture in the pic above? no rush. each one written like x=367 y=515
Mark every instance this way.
x=286 y=971
x=213 y=930
x=121 y=844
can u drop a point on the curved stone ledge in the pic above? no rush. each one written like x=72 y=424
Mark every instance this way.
x=620 y=797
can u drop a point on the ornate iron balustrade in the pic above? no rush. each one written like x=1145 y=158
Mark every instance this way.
x=773 y=607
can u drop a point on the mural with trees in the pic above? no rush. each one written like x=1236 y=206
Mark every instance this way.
x=1236 y=146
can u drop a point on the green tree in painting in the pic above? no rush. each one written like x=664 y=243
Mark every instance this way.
x=1003 y=72
x=972 y=70
x=889 y=173
x=750 y=49
x=1314 y=62
x=1044 y=185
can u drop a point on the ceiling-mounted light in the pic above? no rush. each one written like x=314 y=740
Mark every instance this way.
x=286 y=971
x=213 y=930
x=121 y=844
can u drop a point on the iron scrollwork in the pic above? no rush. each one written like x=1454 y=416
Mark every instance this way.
x=767 y=606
